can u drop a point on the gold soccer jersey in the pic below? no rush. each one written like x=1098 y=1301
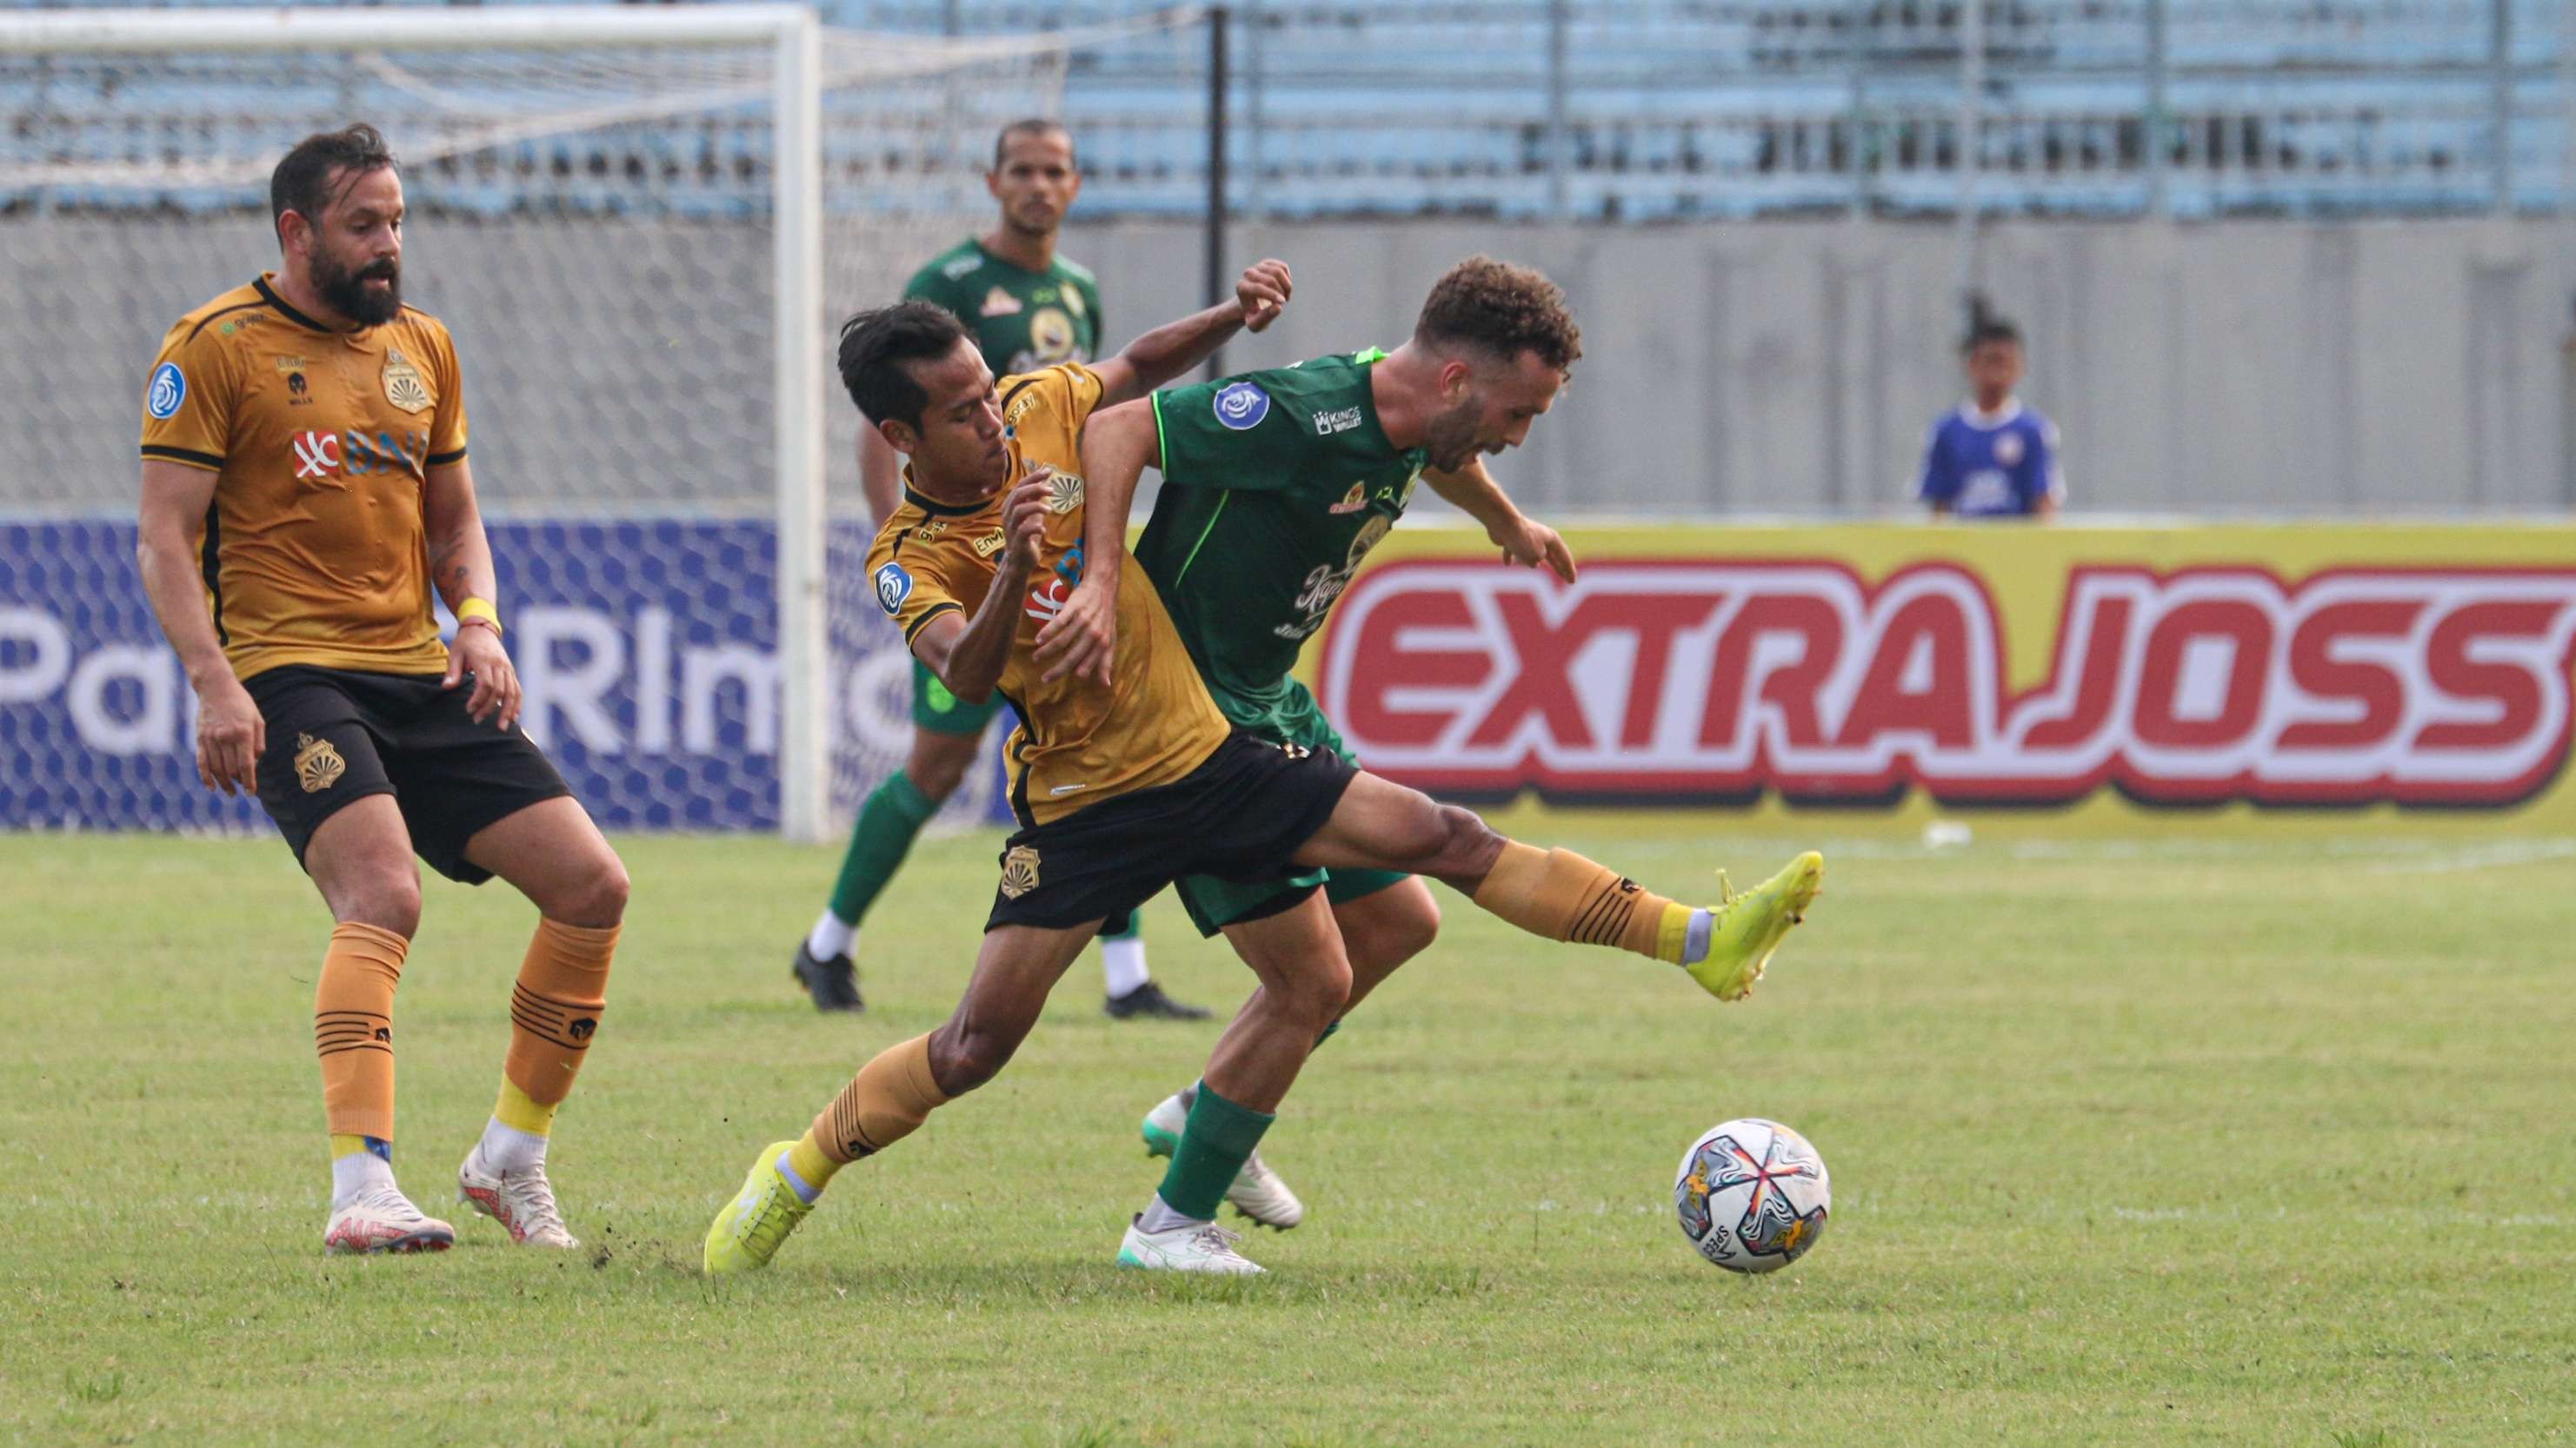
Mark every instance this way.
x=1078 y=741
x=321 y=442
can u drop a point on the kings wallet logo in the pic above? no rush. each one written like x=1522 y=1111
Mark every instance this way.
x=318 y=764
x=404 y=386
x=1019 y=872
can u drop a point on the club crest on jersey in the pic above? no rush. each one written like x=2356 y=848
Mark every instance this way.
x=404 y=386
x=318 y=765
x=893 y=587
x=1352 y=501
x=1051 y=335
x=2008 y=449
x=169 y=389
x=999 y=303
x=1064 y=492
x=1019 y=872
x=1241 y=405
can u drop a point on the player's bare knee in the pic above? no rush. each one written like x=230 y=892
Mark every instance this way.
x=1468 y=846
x=597 y=898
x=1313 y=996
x=387 y=899
x=938 y=768
x=964 y=1056
x=1410 y=932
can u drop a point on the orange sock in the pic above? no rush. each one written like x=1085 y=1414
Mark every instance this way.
x=886 y=1102
x=353 y=1029
x=555 y=1011
x=1563 y=896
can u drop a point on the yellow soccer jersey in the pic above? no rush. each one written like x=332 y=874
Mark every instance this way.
x=1078 y=741
x=320 y=442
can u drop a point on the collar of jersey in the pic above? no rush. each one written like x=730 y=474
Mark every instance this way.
x=938 y=509
x=269 y=295
x=1989 y=421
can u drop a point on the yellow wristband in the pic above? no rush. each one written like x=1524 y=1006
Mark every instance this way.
x=478 y=610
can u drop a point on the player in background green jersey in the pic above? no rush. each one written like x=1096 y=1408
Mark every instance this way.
x=1275 y=486
x=1027 y=308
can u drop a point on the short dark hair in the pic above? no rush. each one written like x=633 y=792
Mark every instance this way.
x=876 y=344
x=302 y=180
x=1988 y=329
x=1028 y=126
x=1503 y=309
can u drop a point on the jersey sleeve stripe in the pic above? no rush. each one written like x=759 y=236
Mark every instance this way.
x=209 y=317
x=208 y=461
x=935 y=610
x=440 y=460
x=1162 y=447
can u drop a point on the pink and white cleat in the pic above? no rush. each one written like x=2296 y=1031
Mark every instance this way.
x=382 y=1219
x=521 y=1201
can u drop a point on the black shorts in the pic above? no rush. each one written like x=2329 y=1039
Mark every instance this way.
x=336 y=736
x=1239 y=817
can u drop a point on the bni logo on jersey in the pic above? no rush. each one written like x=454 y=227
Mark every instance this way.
x=1239 y=405
x=893 y=587
x=169 y=389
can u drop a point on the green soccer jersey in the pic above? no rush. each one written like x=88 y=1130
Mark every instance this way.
x=1276 y=486
x=1022 y=321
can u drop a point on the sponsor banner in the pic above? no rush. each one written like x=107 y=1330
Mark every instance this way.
x=2275 y=668
x=647 y=648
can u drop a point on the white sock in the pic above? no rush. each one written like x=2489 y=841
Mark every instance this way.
x=1122 y=960
x=830 y=937
x=356 y=1174
x=507 y=1148
x=1695 y=943
x=1159 y=1217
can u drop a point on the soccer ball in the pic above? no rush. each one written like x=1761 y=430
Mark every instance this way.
x=1752 y=1195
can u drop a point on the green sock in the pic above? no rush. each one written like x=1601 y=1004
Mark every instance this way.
x=1214 y=1146
x=1112 y=928
x=878 y=843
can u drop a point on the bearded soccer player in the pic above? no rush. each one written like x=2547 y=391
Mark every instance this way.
x=1027 y=308
x=1126 y=777
x=304 y=490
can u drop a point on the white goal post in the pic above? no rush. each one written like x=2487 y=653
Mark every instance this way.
x=624 y=210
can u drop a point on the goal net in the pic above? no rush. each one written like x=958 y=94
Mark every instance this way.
x=643 y=225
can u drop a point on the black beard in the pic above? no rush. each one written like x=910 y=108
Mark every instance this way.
x=346 y=293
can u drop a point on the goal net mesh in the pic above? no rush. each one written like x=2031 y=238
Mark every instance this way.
x=594 y=226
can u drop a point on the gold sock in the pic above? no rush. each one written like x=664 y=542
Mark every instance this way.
x=1563 y=896
x=353 y=1030
x=521 y=1112
x=813 y=1166
x=886 y=1102
x=555 y=1010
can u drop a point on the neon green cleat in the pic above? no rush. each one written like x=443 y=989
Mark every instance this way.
x=747 y=1232
x=1744 y=929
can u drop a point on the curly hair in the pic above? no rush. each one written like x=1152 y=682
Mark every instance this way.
x=1502 y=309
x=301 y=182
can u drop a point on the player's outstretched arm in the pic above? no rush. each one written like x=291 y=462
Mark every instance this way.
x=170 y=532
x=460 y=567
x=1531 y=544
x=1175 y=347
x=969 y=656
x=1117 y=446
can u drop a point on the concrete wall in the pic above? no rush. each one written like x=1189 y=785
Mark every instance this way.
x=2253 y=367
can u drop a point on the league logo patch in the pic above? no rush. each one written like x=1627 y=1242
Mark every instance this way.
x=893 y=587
x=169 y=389
x=318 y=765
x=1241 y=405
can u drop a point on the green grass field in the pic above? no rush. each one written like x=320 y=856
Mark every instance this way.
x=2171 y=1143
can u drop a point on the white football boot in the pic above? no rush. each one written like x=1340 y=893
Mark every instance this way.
x=521 y=1201
x=1189 y=1247
x=382 y=1219
x=1256 y=1191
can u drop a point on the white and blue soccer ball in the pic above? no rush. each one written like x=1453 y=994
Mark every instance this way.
x=1752 y=1195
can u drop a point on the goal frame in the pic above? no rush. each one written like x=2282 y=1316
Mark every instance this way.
x=794 y=32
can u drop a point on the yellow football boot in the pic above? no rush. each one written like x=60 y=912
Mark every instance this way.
x=1744 y=929
x=747 y=1232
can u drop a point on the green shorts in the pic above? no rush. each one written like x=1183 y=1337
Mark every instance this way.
x=1213 y=903
x=941 y=712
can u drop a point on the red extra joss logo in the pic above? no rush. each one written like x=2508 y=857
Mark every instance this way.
x=1695 y=682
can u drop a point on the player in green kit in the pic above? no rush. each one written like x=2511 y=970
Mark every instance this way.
x=1276 y=486
x=1027 y=309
